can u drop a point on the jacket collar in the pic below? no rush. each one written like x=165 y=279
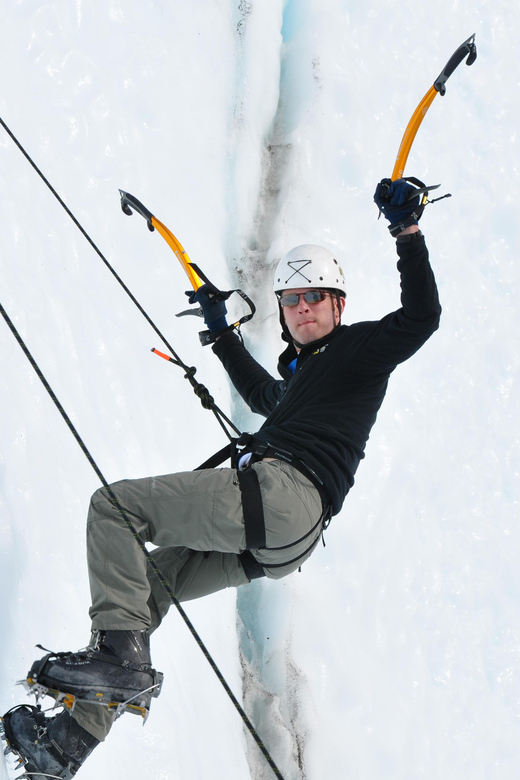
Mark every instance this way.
x=288 y=355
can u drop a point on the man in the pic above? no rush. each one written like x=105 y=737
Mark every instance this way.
x=263 y=517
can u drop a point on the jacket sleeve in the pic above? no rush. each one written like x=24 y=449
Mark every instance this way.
x=400 y=334
x=258 y=388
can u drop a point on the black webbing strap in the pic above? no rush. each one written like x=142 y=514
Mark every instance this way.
x=252 y=508
x=252 y=569
x=219 y=457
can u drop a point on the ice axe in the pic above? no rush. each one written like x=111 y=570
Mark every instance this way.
x=129 y=204
x=467 y=49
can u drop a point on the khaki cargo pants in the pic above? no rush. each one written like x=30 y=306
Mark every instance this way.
x=196 y=523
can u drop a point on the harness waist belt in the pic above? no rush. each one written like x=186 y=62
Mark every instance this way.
x=261 y=449
x=277 y=454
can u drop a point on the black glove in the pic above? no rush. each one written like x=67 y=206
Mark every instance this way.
x=213 y=307
x=397 y=202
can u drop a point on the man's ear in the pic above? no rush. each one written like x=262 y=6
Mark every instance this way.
x=342 y=303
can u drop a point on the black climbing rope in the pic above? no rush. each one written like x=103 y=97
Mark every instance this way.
x=208 y=403
x=157 y=571
x=200 y=390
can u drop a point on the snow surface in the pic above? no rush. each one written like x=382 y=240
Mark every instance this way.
x=248 y=127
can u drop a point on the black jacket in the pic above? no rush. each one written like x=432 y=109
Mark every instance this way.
x=323 y=413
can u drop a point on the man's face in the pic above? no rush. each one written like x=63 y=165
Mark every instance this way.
x=309 y=322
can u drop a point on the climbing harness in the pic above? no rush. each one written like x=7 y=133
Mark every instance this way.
x=252 y=506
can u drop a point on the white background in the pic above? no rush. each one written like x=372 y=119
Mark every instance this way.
x=249 y=127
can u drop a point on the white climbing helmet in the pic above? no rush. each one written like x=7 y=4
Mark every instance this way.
x=310 y=266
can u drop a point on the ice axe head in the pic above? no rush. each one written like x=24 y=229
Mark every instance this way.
x=469 y=49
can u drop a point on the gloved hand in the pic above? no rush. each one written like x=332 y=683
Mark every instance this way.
x=213 y=308
x=395 y=202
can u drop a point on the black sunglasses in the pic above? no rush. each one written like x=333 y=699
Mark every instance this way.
x=311 y=296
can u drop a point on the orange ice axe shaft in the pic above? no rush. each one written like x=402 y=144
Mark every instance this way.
x=469 y=49
x=129 y=204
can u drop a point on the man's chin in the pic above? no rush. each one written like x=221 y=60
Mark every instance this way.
x=304 y=336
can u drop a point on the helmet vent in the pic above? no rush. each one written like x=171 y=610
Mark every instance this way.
x=297 y=267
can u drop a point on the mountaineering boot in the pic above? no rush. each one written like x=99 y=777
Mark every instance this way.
x=114 y=669
x=47 y=746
